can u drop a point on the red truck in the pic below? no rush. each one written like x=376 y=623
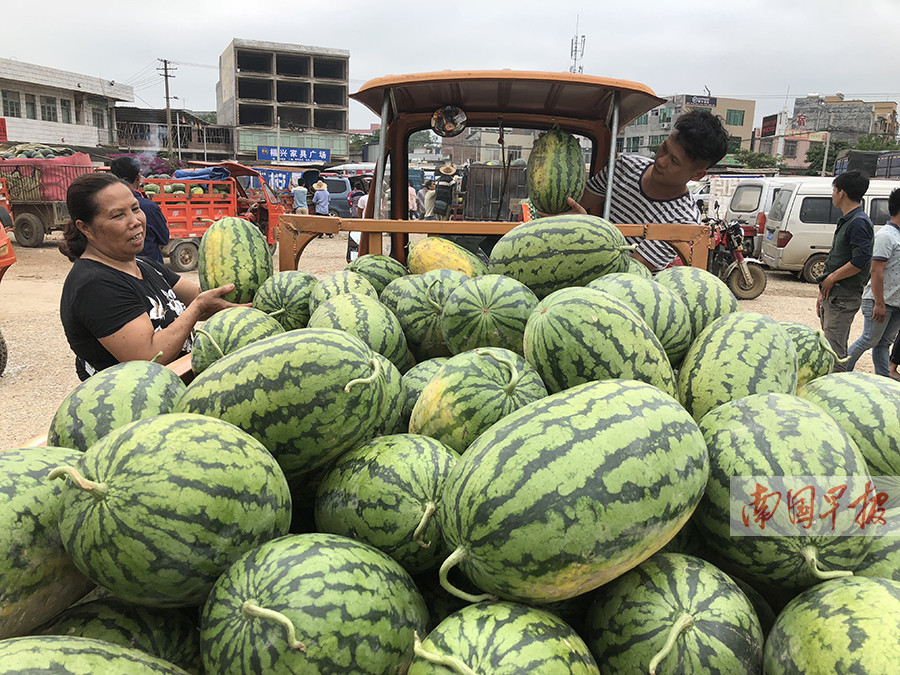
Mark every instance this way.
x=192 y=205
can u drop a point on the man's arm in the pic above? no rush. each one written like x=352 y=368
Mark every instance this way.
x=860 y=236
x=880 y=310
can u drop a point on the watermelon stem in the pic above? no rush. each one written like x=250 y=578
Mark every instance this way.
x=375 y=364
x=514 y=374
x=212 y=341
x=251 y=609
x=450 y=662
x=417 y=535
x=98 y=490
x=428 y=296
x=682 y=623
x=156 y=358
x=827 y=347
x=627 y=249
x=452 y=560
x=810 y=555
x=277 y=312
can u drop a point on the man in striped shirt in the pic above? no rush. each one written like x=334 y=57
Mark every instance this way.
x=655 y=191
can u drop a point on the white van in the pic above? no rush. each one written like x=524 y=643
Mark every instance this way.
x=750 y=201
x=800 y=224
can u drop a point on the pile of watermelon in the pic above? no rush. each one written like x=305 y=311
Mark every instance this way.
x=534 y=466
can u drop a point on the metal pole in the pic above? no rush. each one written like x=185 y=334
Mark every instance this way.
x=278 y=137
x=382 y=144
x=825 y=157
x=614 y=131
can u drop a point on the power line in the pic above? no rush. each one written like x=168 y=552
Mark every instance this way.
x=195 y=65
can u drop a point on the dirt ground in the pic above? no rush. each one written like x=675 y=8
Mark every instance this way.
x=41 y=369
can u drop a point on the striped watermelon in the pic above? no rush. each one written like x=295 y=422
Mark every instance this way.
x=577 y=335
x=815 y=357
x=229 y=330
x=706 y=296
x=370 y=321
x=37 y=578
x=338 y=283
x=436 y=253
x=470 y=392
x=666 y=313
x=559 y=497
x=553 y=253
x=312 y=603
x=308 y=395
x=770 y=435
x=487 y=311
x=234 y=251
x=391 y=420
x=397 y=288
x=112 y=398
x=868 y=408
x=419 y=310
x=380 y=270
x=415 y=379
x=674 y=613
x=168 y=634
x=502 y=638
x=841 y=626
x=555 y=171
x=882 y=559
x=738 y=355
x=638 y=269
x=57 y=654
x=384 y=493
x=157 y=510
x=285 y=296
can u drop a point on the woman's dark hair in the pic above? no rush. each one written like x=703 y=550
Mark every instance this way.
x=82 y=204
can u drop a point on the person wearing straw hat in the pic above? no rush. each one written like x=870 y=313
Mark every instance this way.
x=445 y=192
x=321 y=199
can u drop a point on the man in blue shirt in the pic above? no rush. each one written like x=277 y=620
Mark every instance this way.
x=157 y=233
x=847 y=266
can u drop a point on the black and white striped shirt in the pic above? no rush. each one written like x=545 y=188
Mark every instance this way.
x=630 y=206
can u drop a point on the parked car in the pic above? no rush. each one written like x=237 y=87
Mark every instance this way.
x=800 y=224
x=751 y=200
x=338 y=192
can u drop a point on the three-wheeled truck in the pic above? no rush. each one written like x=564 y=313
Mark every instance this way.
x=498 y=106
x=7 y=255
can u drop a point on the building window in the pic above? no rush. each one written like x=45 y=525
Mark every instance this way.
x=30 y=110
x=98 y=117
x=655 y=142
x=665 y=114
x=734 y=118
x=790 y=149
x=765 y=146
x=48 y=109
x=633 y=144
x=65 y=110
x=643 y=119
x=620 y=144
x=11 y=105
x=515 y=152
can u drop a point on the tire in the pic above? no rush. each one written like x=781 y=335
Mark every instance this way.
x=184 y=256
x=334 y=214
x=814 y=266
x=29 y=230
x=3 y=354
x=738 y=285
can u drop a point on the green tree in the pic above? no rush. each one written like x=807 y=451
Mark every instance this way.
x=359 y=141
x=816 y=154
x=874 y=142
x=424 y=138
x=757 y=160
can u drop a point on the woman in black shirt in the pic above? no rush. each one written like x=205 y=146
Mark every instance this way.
x=116 y=306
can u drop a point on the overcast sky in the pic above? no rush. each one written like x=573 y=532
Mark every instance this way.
x=767 y=50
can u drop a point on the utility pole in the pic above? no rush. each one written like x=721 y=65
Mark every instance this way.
x=576 y=50
x=166 y=75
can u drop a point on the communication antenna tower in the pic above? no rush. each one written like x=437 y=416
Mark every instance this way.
x=577 y=50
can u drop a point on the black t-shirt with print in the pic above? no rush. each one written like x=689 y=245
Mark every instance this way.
x=98 y=300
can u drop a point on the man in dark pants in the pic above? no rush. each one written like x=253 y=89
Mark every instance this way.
x=847 y=266
x=157 y=234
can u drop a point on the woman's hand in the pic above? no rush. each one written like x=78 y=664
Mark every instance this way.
x=209 y=302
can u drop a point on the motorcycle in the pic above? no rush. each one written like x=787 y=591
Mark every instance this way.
x=744 y=276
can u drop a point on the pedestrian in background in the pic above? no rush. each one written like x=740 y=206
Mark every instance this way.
x=128 y=170
x=300 y=194
x=445 y=192
x=881 y=297
x=429 y=200
x=420 y=199
x=354 y=197
x=847 y=266
x=321 y=200
x=413 y=203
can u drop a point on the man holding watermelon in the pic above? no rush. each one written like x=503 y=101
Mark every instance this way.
x=655 y=190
